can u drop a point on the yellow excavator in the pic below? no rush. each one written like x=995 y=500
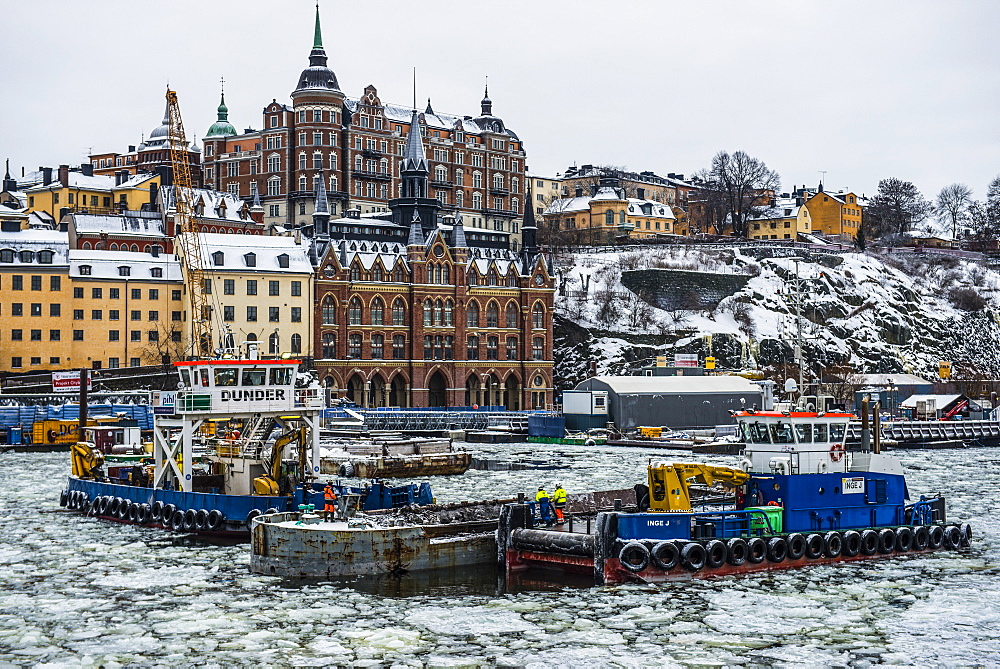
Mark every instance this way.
x=669 y=483
x=86 y=459
x=268 y=483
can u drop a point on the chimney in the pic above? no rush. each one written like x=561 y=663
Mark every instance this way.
x=87 y=169
x=64 y=175
x=166 y=174
x=46 y=175
x=119 y=178
x=579 y=190
x=154 y=250
x=131 y=148
x=63 y=212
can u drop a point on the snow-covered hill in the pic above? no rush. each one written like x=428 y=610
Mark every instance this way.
x=861 y=313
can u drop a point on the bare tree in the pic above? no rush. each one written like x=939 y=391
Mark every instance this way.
x=984 y=219
x=896 y=208
x=743 y=184
x=952 y=205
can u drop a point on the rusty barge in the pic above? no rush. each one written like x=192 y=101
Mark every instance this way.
x=393 y=456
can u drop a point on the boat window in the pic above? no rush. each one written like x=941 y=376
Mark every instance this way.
x=755 y=433
x=186 y=377
x=803 y=432
x=253 y=377
x=837 y=431
x=225 y=377
x=819 y=432
x=281 y=377
x=781 y=433
x=204 y=378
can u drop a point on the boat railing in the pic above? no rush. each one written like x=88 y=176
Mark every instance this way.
x=310 y=398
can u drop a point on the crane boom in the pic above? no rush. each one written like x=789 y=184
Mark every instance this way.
x=669 y=486
x=188 y=240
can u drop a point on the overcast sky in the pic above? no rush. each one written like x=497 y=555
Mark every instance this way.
x=862 y=90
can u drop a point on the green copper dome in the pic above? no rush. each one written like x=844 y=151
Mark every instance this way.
x=222 y=127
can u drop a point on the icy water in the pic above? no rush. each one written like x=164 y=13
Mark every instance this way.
x=79 y=591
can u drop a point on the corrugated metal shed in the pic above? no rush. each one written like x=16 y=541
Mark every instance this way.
x=679 y=402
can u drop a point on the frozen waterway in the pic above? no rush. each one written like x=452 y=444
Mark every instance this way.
x=79 y=591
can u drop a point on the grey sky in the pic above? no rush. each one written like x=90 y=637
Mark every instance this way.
x=863 y=90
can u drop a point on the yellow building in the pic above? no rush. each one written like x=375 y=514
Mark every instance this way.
x=836 y=214
x=605 y=217
x=785 y=220
x=259 y=289
x=79 y=190
x=544 y=191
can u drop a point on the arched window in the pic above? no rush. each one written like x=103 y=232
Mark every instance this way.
x=398 y=312
x=377 y=274
x=498 y=181
x=355 y=272
x=135 y=248
x=448 y=312
x=378 y=346
x=438 y=312
x=477 y=179
x=302 y=161
x=473 y=278
x=477 y=200
x=329 y=311
x=440 y=173
x=378 y=311
x=492 y=315
x=329 y=345
x=296 y=343
x=492 y=348
x=445 y=274
x=472 y=315
x=428 y=311
x=354 y=311
x=609 y=217
x=86 y=246
x=512 y=279
x=512 y=348
x=399 y=275
x=538 y=316
x=512 y=312
x=538 y=348
x=398 y=347
x=273 y=344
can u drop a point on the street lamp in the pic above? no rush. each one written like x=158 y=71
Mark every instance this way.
x=892 y=401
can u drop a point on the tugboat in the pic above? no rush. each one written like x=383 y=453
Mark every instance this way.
x=217 y=463
x=797 y=499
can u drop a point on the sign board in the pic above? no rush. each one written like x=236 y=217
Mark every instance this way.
x=163 y=402
x=685 y=359
x=69 y=382
x=709 y=362
x=944 y=369
x=853 y=486
x=661 y=361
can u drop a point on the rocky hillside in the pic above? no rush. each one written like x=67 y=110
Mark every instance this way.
x=860 y=313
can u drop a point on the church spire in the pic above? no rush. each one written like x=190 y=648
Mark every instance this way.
x=414 y=159
x=318 y=33
x=487 y=104
x=528 y=229
x=321 y=210
x=222 y=127
x=416 y=237
x=317 y=75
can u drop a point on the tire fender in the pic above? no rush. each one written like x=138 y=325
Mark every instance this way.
x=833 y=544
x=777 y=549
x=216 y=519
x=757 y=550
x=869 y=542
x=796 y=546
x=936 y=536
x=201 y=520
x=693 y=556
x=852 y=543
x=737 y=551
x=815 y=546
x=63 y=497
x=904 y=539
x=886 y=540
x=665 y=555
x=921 y=538
x=715 y=553
x=634 y=556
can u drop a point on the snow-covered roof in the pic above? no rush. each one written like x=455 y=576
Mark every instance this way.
x=403 y=113
x=137 y=180
x=568 y=205
x=108 y=264
x=139 y=226
x=940 y=401
x=78 y=180
x=656 y=209
x=659 y=385
x=779 y=210
x=896 y=380
x=210 y=205
x=234 y=249
x=35 y=240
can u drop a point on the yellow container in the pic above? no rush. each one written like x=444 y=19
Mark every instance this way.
x=651 y=432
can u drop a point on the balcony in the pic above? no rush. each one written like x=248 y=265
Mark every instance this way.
x=444 y=183
x=372 y=153
x=506 y=213
x=364 y=174
x=238 y=154
x=499 y=192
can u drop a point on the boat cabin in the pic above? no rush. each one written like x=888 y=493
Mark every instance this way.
x=794 y=442
x=241 y=386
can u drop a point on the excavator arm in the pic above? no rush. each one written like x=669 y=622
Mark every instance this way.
x=669 y=483
x=86 y=459
x=268 y=484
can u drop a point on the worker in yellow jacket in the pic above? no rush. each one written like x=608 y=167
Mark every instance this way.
x=559 y=501
x=544 y=501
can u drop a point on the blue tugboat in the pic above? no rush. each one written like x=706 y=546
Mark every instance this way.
x=798 y=498
x=239 y=438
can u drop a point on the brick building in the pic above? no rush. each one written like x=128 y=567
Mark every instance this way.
x=413 y=309
x=476 y=164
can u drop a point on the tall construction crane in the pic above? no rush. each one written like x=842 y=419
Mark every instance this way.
x=186 y=230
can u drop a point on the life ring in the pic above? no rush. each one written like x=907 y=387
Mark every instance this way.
x=935 y=536
x=737 y=551
x=52 y=435
x=886 y=540
x=634 y=556
x=215 y=520
x=833 y=544
x=756 y=550
x=777 y=549
x=904 y=539
x=837 y=452
x=869 y=542
x=693 y=556
x=665 y=555
x=201 y=520
x=852 y=543
x=815 y=546
x=796 y=546
x=772 y=503
x=921 y=538
x=715 y=553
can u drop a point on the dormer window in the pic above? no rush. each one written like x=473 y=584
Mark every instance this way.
x=27 y=256
x=45 y=257
x=6 y=255
x=283 y=260
x=156 y=272
x=85 y=270
x=219 y=258
x=124 y=270
x=250 y=259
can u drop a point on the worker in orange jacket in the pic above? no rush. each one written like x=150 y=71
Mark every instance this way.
x=329 y=502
